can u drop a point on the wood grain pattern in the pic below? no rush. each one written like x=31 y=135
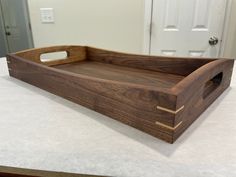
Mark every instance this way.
x=123 y=74
x=179 y=66
x=130 y=88
x=22 y=172
x=74 y=53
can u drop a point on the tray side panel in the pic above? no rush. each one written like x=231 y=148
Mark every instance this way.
x=21 y=172
x=133 y=106
x=179 y=66
x=193 y=97
x=74 y=54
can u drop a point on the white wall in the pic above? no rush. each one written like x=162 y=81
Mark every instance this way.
x=230 y=49
x=110 y=24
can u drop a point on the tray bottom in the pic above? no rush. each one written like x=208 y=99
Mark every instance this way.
x=122 y=74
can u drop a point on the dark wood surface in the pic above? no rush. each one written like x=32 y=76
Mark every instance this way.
x=74 y=53
x=177 y=65
x=158 y=95
x=22 y=172
x=123 y=74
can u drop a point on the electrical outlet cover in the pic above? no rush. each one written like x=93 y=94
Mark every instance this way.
x=47 y=15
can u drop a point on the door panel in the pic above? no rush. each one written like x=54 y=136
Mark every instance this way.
x=184 y=27
x=201 y=15
x=3 y=43
x=18 y=33
x=171 y=15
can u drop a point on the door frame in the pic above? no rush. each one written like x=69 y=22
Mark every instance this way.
x=3 y=29
x=28 y=22
x=147 y=31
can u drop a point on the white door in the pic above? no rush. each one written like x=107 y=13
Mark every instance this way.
x=3 y=43
x=16 y=24
x=187 y=27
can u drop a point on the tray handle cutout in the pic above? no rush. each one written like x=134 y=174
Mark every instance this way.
x=54 y=56
x=212 y=84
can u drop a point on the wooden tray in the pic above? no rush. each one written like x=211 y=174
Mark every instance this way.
x=22 y=172
x=158 y=95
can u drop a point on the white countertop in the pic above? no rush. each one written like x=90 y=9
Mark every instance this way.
x=42 y=131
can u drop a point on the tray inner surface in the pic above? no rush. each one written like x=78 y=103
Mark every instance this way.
x=123 y=74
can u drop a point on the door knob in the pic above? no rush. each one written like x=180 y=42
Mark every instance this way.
x=213 y=41
x=8 y=33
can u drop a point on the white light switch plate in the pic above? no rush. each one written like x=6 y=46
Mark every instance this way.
x=47 y=15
